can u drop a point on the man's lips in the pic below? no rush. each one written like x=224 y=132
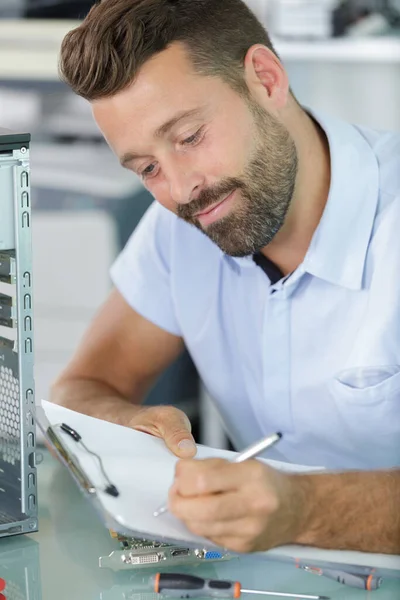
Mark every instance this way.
x=210 y=208
x=217 y=211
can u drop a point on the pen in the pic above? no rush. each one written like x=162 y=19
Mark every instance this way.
x=189 y=586
x=250 y=452
x=365 y=582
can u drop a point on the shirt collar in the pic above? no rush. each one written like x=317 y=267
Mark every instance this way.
x=239 y=263
x=338 y=249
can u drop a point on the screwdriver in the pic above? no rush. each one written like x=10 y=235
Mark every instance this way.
x=365 y=582
x=190 y=586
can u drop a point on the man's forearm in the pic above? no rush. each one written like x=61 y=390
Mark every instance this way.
x=351 y=511
x=95 y=399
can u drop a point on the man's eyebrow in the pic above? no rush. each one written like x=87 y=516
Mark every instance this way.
x=163 y=130
x=129 y=157
x=184 y=114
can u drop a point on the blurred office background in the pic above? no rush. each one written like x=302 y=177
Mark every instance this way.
x=343 y=58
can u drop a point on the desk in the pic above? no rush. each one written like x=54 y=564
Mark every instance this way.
x=60 y=562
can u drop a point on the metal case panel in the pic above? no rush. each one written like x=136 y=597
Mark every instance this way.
x=18 y=477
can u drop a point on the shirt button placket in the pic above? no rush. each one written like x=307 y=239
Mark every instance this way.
x=276 y=362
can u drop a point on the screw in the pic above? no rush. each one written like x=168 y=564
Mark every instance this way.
x=32 y=525
x=23 y=150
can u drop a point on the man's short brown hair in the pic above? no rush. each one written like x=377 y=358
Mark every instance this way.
x=104 y=54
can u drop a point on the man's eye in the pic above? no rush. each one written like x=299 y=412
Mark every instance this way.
x=193 y=139
x=150 y=170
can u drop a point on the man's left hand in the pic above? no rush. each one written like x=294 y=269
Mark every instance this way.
x=244 y=507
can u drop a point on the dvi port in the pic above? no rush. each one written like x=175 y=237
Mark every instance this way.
x=145 y=559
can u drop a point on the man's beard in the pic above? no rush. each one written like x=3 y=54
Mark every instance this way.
x=264 y=192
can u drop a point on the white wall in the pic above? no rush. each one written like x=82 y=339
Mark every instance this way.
x=362 y=93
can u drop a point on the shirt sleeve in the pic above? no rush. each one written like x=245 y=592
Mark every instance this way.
x=141 y=273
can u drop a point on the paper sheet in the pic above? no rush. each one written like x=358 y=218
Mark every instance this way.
x=138 y=464
x=142 y=469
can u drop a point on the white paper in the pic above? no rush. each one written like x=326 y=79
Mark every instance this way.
x=142 y=469
x=139 y=465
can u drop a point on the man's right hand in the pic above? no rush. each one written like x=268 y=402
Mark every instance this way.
x=168 y=423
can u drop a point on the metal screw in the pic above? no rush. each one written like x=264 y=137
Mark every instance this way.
x=32 y=525
x=23 y=150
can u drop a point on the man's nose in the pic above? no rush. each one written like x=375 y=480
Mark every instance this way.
x=185 y=184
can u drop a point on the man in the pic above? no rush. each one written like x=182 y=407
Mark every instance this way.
x=272 y=253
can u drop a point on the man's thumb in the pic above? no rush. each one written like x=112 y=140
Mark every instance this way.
x=178 y=438
x=186 y=447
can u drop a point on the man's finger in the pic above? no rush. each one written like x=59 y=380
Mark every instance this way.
x=176 y=432
x=216 y=507
x=221 y=530
x=237 y=544
x=211 y=476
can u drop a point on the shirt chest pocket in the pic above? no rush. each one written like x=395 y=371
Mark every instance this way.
x=369 y=385
x=367 y=402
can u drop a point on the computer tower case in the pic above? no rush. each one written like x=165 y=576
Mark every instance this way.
x=18 y=477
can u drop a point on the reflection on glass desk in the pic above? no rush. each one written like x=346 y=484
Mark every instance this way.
x=61 y=561
x=20 y=569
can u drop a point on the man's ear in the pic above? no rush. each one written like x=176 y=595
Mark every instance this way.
x=266 y=77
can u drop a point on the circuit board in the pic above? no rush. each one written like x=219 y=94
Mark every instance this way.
x=142 y=553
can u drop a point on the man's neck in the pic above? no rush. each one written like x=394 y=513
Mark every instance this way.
x=290 y=245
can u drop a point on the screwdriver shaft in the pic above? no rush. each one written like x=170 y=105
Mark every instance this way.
x=284 y=595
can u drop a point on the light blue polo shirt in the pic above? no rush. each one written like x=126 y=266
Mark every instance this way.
x=316 y=355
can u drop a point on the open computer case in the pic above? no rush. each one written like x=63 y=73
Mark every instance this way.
x=18 y=481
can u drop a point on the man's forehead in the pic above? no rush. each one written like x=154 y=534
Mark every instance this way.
x=164 y=85
x=171 y=70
